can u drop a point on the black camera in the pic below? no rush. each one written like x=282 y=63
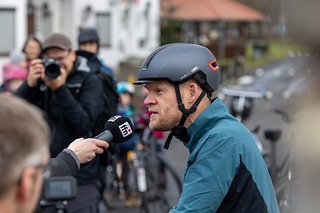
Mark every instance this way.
x=51 y=68
x=59 y=188
x=56 y=192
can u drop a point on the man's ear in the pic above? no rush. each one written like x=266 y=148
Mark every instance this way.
x=26 y=185
x=193 y=91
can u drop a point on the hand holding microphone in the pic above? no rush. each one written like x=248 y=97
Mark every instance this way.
x=87 y=149
x=118 y=129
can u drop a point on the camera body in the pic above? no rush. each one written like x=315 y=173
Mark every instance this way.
x=56 y=192
x=51 y=68
x=59 y=188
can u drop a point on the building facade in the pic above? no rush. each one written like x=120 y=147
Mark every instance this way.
x=128 y=28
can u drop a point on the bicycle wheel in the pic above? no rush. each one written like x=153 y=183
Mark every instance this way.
x=163 y=186
x=284 y=196
x=171 y=184
x=151 y=196
x=285 y=185
x=112 y=189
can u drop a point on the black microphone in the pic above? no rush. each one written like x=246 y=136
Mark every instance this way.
x=118 y=129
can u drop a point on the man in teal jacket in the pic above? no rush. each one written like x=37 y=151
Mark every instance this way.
x=225 y=171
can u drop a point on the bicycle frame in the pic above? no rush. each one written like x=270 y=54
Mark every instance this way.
x=151 y=179
x=240 y=113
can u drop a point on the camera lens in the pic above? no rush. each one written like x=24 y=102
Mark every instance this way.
x=52 y=68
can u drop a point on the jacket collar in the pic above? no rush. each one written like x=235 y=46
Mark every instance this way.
x=206 y=121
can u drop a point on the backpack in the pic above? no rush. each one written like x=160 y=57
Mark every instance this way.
x=110 y=95
x=110 y=100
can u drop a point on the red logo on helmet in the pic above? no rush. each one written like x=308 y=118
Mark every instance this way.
x=213 y=65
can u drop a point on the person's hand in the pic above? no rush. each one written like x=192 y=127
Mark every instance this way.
x=86 y=149
x=36 y=71
x=54 y=84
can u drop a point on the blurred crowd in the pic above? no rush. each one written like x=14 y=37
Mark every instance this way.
x=65 y=85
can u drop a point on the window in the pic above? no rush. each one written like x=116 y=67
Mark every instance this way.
x=7 y=36
x=104 y=28
x=47 y=19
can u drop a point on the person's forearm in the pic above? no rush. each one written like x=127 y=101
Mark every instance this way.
x=75 y=157
x=65 y=164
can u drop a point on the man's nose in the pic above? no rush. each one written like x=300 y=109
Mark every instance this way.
x=149 y=100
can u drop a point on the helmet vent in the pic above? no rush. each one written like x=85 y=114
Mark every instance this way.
x=213 y=65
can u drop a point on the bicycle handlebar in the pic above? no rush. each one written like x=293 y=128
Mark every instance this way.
x=244 y=93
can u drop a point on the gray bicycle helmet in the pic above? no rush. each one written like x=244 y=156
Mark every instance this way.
x=88 y=35
x=178 y=62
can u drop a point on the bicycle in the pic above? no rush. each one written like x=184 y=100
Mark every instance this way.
x=157 y=181
x=284 y=176
x=241 y=106
x=113 y=185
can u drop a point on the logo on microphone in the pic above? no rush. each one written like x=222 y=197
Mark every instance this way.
x=125 y=129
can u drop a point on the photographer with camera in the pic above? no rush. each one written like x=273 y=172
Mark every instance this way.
x=62 y=85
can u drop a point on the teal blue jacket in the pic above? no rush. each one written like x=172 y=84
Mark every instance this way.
x=225 y=170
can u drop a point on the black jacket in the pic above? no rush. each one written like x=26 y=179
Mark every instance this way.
x=71 y=111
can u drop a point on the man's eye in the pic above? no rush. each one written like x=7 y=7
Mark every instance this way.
x=159 y=91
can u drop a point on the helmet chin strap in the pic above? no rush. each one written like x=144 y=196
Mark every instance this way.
x=180 y=131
